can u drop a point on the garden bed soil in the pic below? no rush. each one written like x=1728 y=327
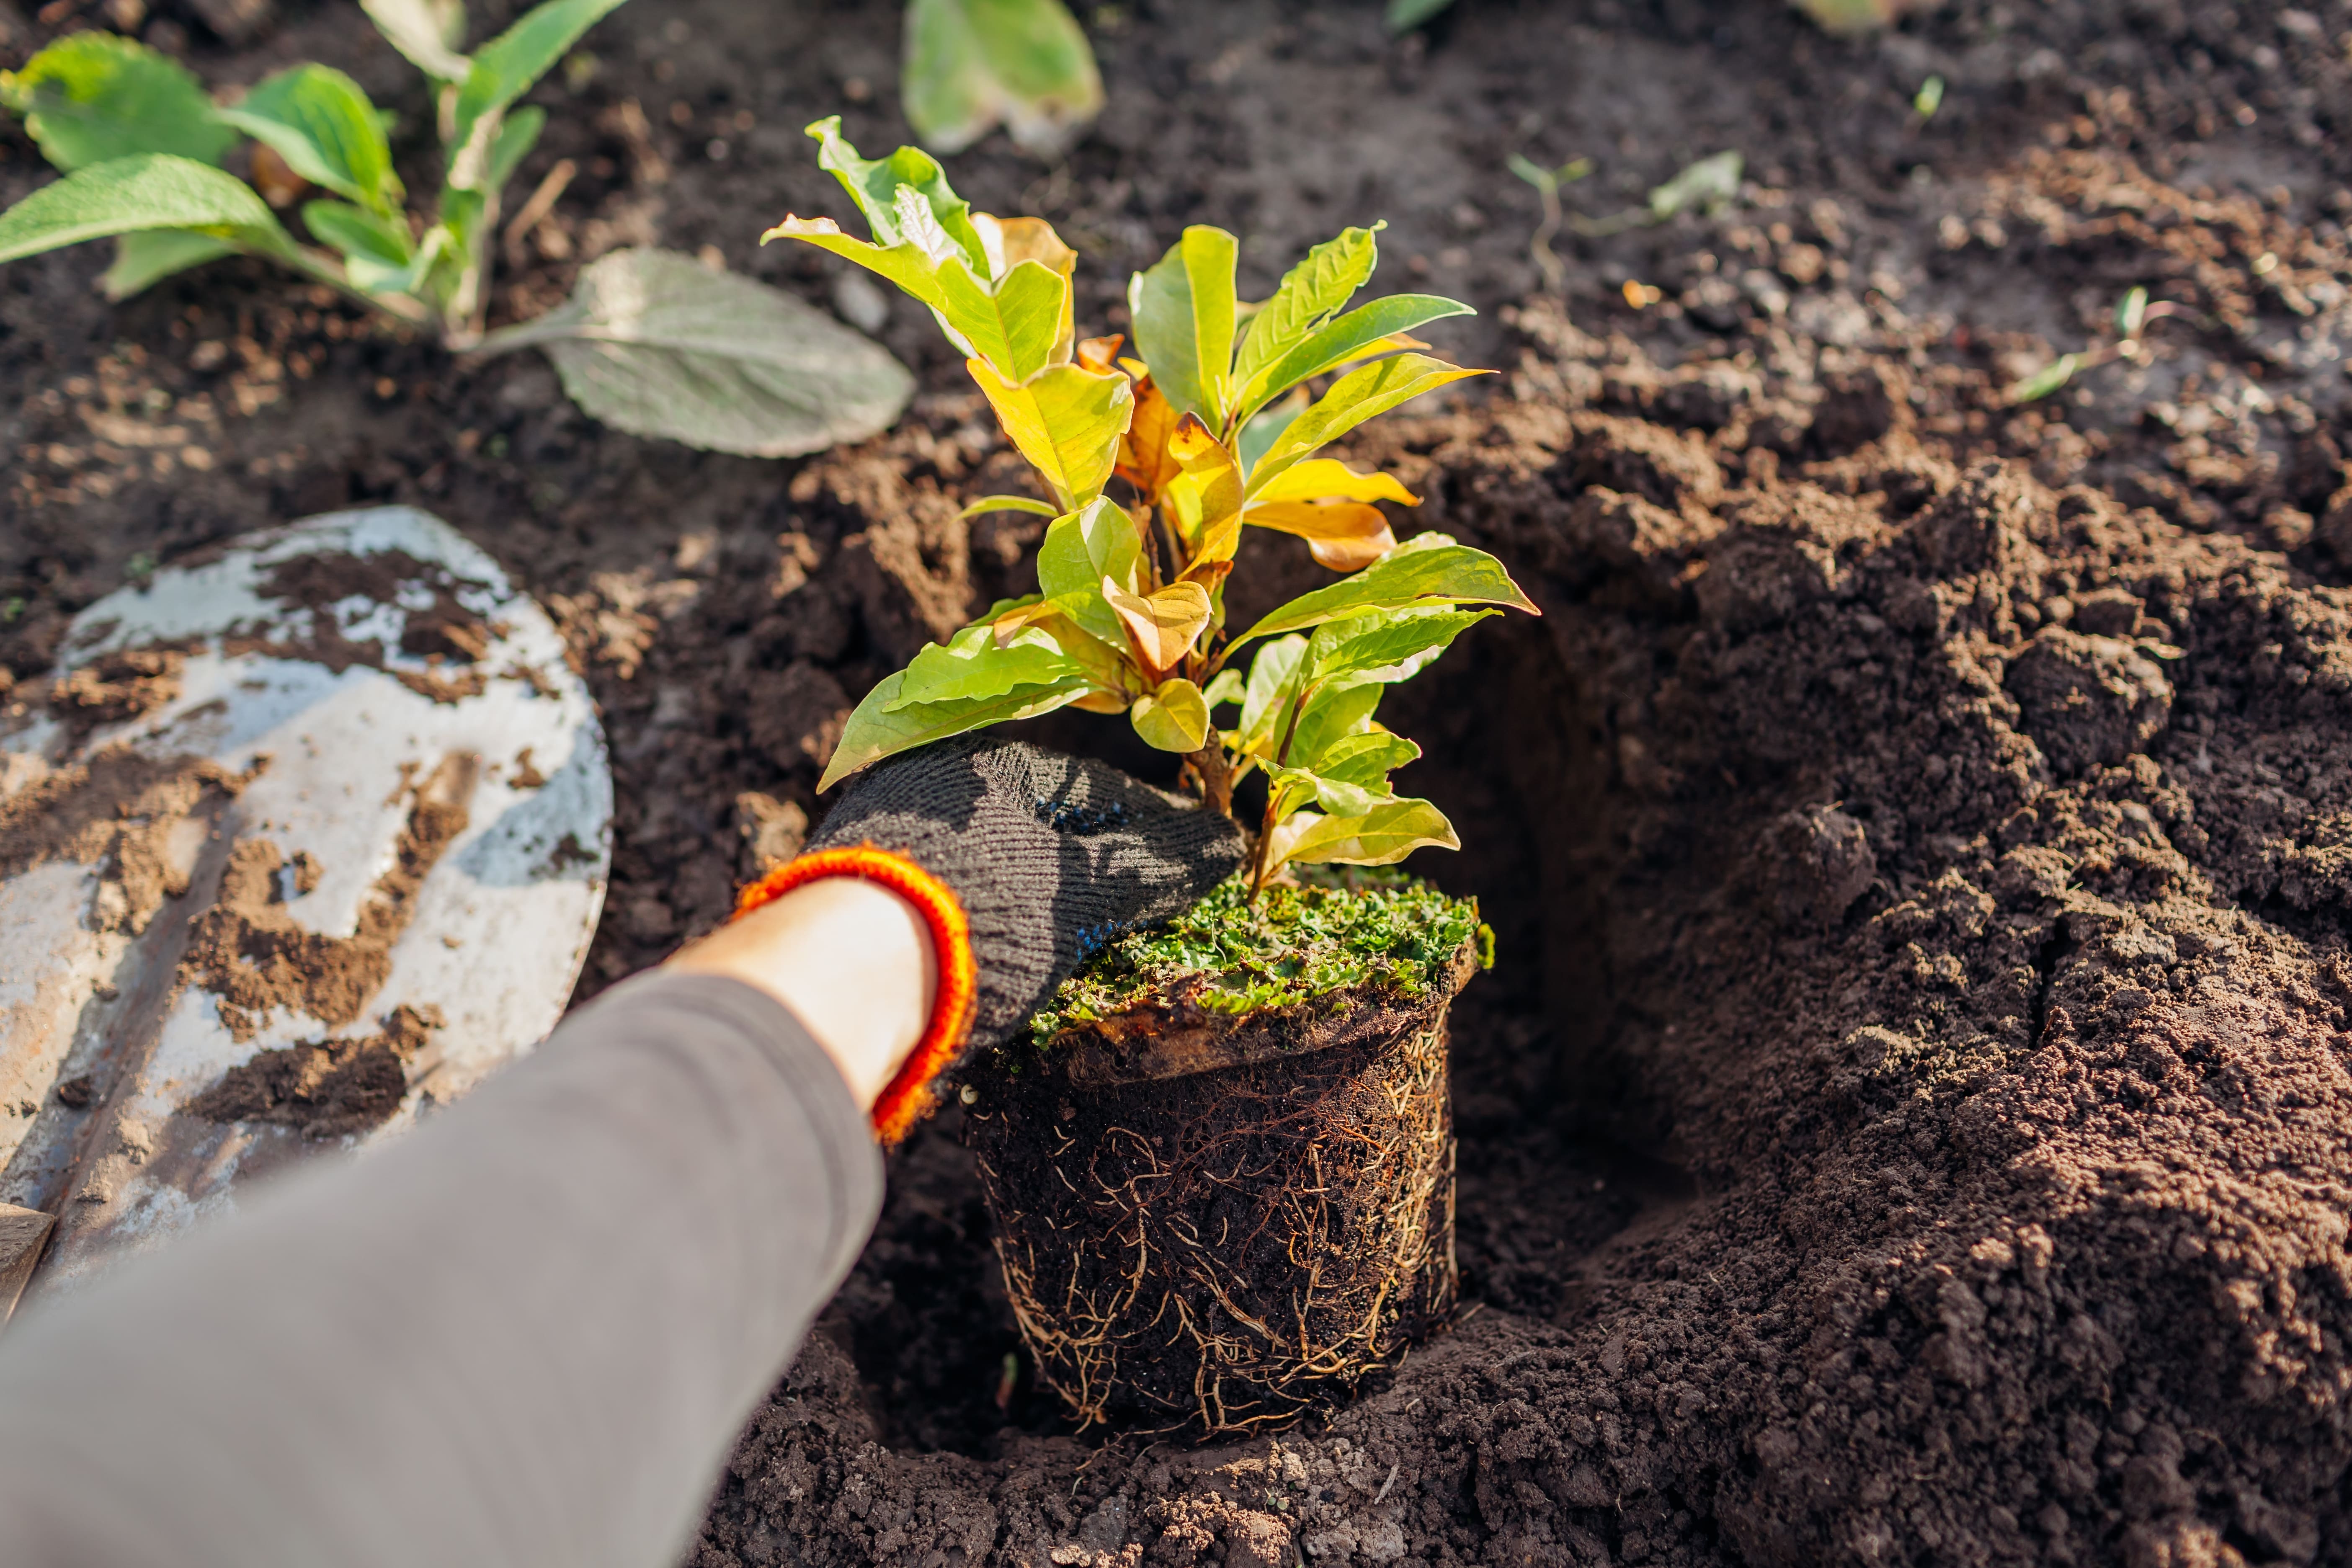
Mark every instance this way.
x=1907 y=1120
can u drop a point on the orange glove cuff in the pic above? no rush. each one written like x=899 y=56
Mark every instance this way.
x=907 y=1097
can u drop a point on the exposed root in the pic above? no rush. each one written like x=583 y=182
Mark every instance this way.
x=1223 y=1250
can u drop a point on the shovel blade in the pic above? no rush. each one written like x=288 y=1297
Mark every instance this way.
x=296 y=843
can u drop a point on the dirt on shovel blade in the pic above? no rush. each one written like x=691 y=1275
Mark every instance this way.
x=1906 y=1121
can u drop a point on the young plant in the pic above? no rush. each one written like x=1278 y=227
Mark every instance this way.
x=141 y=146
x=650 y=342
x=1210 y=431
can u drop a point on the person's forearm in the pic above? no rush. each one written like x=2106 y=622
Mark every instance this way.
x=525 y=1334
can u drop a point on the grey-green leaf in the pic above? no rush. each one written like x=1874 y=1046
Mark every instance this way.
x=146 y=257
x=319 y=120
x=655 y=343
x=93 y=96
x=1707 y=185
x=972 y=65
x=1405 y=15
x=128 y=195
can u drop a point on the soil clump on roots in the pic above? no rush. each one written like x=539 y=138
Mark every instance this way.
x=1906 y=1120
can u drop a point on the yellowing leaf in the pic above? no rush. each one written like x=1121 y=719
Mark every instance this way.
x=1011 y=241
x=1355 y=398
x=1205 y=498
x=1329 y=479
x=1344 y=535
x=1144 y=459
x=1184 y=309
x=1065 y=420
x=1174 y=718
x=1380 y=836
x=1162 y=627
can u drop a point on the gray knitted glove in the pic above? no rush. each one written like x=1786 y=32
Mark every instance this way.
x=1050 y=856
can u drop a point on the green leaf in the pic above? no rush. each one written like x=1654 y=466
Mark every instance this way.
x=319 y=120
x=1266 y=428
x=1380 y=836
x=1366 y=758
x=970 y=667
x=1227 y=686
x=1364 y=331
x=357 y=233
x=873 y=733
x=1331 y=713
x=1175 y=717
x=1014 y=327
x=1294 y=788
x=1385 y=645
x=518 y=135
x=151 y=191
x=2131 y=312
x=1429 y=567
x=1306 y=299
x=1373 y=328
x=1707 y=183
x=1066 y=419
x=1080 y=549
x=1184 y=309
x=655 y=343
x=875 y=184
x=1265 y=699
x=504 y=69
x=1009 y=503
x=972 y=65
x=2046 y=380
x=1358 y=396
x=93 y=96
x=1405 y=15
x=147 y=258
x=428 y=31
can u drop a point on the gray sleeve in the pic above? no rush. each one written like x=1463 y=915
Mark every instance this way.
x=526 y=1333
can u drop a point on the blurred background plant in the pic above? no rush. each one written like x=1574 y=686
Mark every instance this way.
x=972 y=65
x=651 y=342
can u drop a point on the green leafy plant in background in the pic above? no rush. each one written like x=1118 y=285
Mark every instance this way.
x=972 y=65
x=1210 y=431
x=141 y=147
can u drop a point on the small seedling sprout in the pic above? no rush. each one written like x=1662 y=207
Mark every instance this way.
x=1547 y=182
x=2133 y=315
x=1928 y=99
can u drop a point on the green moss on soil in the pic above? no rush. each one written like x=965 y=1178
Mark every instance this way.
x=1388 y=932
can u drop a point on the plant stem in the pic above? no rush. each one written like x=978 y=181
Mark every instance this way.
x=1216 y=773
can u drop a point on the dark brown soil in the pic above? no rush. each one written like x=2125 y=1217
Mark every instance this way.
x=1907 y=1125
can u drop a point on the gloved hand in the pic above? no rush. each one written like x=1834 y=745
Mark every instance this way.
x=1043 y=857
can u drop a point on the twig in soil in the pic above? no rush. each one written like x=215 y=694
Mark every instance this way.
x=1382 y=1495
x=541 y=203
